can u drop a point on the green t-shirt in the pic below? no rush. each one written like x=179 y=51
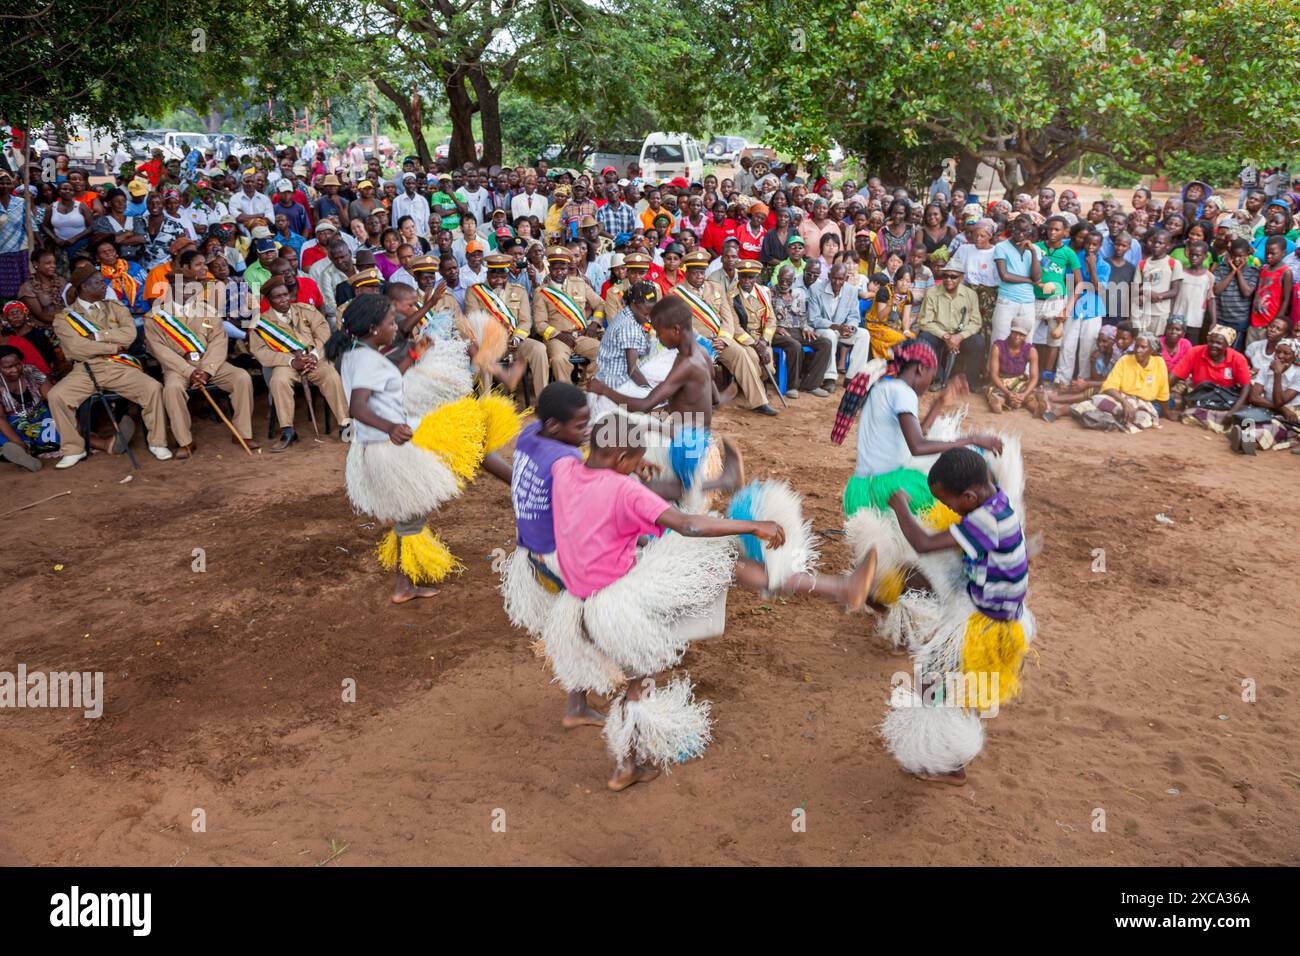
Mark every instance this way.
x=440 y=198
x=1056 y=264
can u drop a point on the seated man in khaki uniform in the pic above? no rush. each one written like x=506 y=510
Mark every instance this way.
x=501 y=300
x=567 y=313
x=714 y=318
x=289 y=339
x=190 y=344
x=95 y=334
x=754 y=308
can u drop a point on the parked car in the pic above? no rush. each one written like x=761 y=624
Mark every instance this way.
x=386 y=146
x=758 y=152
x=443 y=149
x=724 y=149
x=665 y=156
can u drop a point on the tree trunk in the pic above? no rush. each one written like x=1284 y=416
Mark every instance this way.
x=1040 y=169
x=489 y=108
x=968 y=165
x=460 y=110
x=410 y=110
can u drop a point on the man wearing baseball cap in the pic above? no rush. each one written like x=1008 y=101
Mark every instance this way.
x=316 y=249
x=285 y=205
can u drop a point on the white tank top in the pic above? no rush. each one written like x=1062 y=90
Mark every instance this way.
x=66 y=225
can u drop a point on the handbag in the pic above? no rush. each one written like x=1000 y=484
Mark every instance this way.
x=1215 y=398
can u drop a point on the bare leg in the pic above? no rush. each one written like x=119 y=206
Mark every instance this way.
x=496 y=466
x=849 y=589
x=578 y=713
x=627 y=771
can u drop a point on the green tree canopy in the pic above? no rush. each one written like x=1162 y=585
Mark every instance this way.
x=1031 y=87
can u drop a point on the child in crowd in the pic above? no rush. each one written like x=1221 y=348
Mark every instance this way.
x=1273 y=292
x=1119 y=283
x=922 y=274
x=1195 y=299
x=1159 y=279
x=1235 y=280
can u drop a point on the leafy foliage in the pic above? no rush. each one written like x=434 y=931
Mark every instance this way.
x=1032 y=86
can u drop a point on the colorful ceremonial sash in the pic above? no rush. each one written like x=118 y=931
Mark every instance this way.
x=180 y=334
x=276 y=337
x=87 y=329
x=82 y=325
x=495 y=306
x=700 y=309
x=764 y=297
x=565 y=306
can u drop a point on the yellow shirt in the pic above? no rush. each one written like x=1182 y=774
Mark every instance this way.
x=1150 y=383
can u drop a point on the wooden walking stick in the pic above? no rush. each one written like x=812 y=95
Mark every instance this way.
x=220 y=414
x=311 y=408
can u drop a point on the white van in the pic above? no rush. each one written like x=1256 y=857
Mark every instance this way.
x=667 y=155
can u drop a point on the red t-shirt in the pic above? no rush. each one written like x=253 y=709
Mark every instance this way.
x=1233 y=372
x=598 y=516
x=310 y=256
x=715 y=235
x=308 y=292
x=749 y=242
x=152 y=170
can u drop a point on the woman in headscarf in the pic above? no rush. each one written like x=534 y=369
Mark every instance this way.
x=1211 y=381
x=1129 y=396
x=1271 y=415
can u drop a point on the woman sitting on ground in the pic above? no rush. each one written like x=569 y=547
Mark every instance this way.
x=1113 y=341
x=1211 y=381
x=1259 y=354
x=1129 y=396
x=889 y=320
x=1013 y=372
x=1272 y=412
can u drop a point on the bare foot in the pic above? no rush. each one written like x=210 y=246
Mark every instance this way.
x=586 y=717
x=955 y=779
x=625 y=775
x=410 y=593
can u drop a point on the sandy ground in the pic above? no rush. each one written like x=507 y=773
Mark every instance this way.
x=224 y=688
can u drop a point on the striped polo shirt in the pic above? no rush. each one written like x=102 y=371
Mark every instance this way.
x=997 y=566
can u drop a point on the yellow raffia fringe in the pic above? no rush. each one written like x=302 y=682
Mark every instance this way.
x=501 y=422
x=940 y=517
x=995 y=647
x=424 y=558
x=889 y=586
x=456 y=431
